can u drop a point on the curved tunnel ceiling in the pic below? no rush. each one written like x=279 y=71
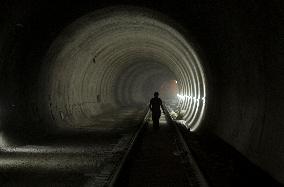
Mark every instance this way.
x=107 y=58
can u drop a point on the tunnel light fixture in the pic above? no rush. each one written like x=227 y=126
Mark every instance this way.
x=181 y=97
x=190 y=97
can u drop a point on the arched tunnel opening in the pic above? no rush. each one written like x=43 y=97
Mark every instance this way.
x=78 y=67
x=118 y=57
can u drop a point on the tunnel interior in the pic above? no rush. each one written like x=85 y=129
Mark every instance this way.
x=118 y=57
x=63 y=65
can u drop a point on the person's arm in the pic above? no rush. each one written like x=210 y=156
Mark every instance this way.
x=150 y=105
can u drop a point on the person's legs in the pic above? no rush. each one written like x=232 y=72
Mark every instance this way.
x=156 y=123
x=155 y=118
x=158 y=119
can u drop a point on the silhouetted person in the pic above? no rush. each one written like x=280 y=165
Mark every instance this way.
x=155 y=105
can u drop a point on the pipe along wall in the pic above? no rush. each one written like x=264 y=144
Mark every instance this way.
x=63 y=64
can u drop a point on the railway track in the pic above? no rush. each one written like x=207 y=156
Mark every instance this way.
x=117 y=157
x=157 y=158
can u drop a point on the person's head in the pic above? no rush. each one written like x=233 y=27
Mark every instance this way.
x=156 y=94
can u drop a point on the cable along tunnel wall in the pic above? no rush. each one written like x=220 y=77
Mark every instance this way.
x=107 y=58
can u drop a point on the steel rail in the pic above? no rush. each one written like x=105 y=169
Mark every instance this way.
x=116 y=174
x=186 y=151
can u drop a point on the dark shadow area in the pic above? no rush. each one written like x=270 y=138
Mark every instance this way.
x=42 y=179
x=222 y=165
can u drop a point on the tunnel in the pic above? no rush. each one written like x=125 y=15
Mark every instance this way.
x=67 y=67
x=107 y=59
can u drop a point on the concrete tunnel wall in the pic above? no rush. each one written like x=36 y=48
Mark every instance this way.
x=111 y=54
x=240 y=43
